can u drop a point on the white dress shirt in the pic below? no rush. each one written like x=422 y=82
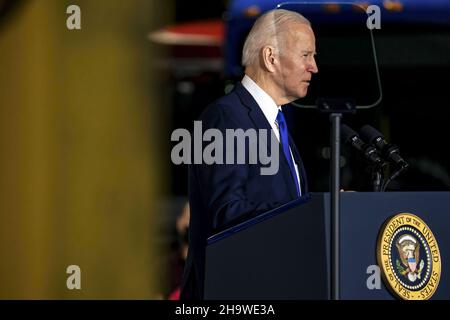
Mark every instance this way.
x=270 y=110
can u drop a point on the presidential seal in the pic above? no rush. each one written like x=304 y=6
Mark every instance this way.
x=409 y=258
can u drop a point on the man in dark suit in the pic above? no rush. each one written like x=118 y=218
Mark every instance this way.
x=278 y=57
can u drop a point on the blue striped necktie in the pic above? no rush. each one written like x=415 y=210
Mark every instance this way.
x=286 y=150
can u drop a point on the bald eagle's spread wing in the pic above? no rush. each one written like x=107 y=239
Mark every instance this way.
x=417 y=253
x=402 y=255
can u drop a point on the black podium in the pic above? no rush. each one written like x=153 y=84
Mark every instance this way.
x=285 y=253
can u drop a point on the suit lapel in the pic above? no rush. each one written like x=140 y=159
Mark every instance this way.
x=255 y=113
x=260 y=122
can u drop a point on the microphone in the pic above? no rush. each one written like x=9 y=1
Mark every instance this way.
x=349 y=136
x=389 y=151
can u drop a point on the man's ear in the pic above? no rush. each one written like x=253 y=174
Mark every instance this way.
x=269 y=58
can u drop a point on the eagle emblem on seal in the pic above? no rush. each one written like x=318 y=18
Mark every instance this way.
x=408 y=250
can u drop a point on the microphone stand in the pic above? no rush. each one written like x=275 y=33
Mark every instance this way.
x=335 y=108
x=377 y=179
x=378 y=176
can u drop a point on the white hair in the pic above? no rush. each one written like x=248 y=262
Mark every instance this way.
x=265 y=31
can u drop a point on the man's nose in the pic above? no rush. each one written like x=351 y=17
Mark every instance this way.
x=313 y=66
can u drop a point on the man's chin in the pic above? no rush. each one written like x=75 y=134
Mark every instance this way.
x=302 y=94
x=296 y=96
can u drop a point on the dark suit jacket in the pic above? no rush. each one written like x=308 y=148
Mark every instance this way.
x=222 y=195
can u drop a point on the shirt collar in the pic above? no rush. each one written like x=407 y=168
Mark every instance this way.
x=264 y=101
